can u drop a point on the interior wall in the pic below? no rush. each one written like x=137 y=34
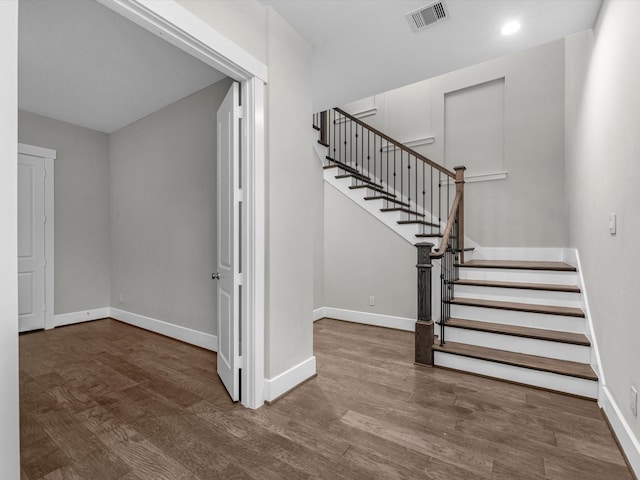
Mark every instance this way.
x=82 y=268
x=290 y=175
x=363 y=258
x=603 y=176
x=9 y=404
x=163 y=212
x=317 y=194
x=289 y=166
x=528 y=207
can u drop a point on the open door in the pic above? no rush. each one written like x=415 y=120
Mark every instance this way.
x=229 y=265
x=31 y=243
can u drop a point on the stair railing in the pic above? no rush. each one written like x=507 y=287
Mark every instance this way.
x=408 y=182
x=405 y=180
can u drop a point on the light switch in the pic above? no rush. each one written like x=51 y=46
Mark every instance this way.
x=612 y=223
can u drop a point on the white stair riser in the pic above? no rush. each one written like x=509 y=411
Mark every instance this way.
x=524 y=253
x=552 y=381
x=522 y=319
x=523 y=276
x=511 y=343
x=538 y=297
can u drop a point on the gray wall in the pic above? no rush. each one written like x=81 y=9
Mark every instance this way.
x=289 y=204
x=82 y=264
x=163 y=212
x=603 y=148
x=290 y=175
x=363 y=258
x=528 y=207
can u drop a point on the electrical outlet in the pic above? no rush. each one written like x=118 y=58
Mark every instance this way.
x=121 y=298
x=634 y=401
x=372 y=301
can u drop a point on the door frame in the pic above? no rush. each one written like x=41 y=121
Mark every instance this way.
x=186 y=31
x=48 y=156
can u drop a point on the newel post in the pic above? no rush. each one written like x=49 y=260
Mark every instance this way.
x=424 y=324
x=460 y=189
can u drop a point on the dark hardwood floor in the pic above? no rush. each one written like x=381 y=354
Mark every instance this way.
x=106 y=401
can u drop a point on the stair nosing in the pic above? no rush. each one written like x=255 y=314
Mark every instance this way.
x=519 y=265
x=403 y=210
x=518 y=331
x=485 y=353
x=547 y=287
x=519 y=307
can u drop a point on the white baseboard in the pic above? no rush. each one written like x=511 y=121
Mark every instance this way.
x=388 y=321
x=281 y=384
x=184 y=334
x=628 y=441
x=79 y=317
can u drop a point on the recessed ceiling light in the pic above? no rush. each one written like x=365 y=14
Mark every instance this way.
x=510 y=28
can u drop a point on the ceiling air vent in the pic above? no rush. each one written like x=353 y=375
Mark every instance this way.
x=428 y=15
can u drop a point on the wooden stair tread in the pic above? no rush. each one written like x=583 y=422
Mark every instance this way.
x=429 y=235
x=520 y=265
x=370 y=186
x=517 y=331
x=387 y=198
x=562 y=367
x=404 y=210
x=358 y=176
x=519 y=307
x=418 y=222
x=524 y=286
x=338 y=164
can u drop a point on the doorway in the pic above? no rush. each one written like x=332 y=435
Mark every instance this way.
x=35 y=237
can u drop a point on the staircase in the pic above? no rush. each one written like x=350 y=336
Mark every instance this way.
x=517 y=320
x=520 y=321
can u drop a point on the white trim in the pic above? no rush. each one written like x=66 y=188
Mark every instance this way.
x=82 y=316
x=596 y=362
x=480 y=177
x=48 y=156
x=628 y=441
x=186 y=31
x=418 y=142
x=184 y=334
x=281 y=384
x=34 y=151
x=254 y=304
x=319 y=313
x=361 y=114
x=375 y=319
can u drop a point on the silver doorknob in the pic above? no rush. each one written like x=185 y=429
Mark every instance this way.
x=215 y=276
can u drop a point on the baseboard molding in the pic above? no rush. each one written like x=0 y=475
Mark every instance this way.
x=388 y=321
x=79 y=317
x=628 y=441
x=279 y=385
x=184 y=334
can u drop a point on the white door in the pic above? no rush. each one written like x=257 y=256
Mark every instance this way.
x=228 y=273
x=31 y=243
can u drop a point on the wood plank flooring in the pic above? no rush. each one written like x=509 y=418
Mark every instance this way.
x=106 y=401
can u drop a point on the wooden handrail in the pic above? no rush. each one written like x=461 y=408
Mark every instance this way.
x=456 y=208
x=448 y=229
x=406 y=149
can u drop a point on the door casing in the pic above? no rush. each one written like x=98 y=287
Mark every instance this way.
x=184 y=30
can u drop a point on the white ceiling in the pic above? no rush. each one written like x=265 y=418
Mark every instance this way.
x=82 y=63
x=361 y=48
